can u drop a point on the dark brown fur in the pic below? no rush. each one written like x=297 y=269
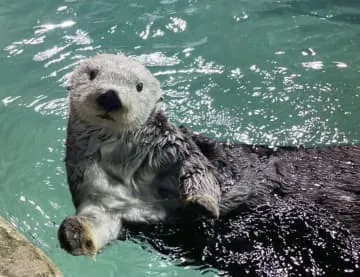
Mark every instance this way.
x=325 y=176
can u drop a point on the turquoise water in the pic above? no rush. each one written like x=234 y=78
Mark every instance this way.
x=272 y=72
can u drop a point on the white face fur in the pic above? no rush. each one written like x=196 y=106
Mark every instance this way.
x=113 y=91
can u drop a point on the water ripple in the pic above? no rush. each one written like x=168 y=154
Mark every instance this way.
x=53 y=107
x=157 y=59
x=269 y=73
x=42 y=29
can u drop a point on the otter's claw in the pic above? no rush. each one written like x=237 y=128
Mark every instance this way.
x=75 y=236
x=203 y=205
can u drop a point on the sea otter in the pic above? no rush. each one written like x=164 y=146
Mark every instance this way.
x=127 y=165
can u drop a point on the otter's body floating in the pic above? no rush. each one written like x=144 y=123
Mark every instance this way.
x=128 y=165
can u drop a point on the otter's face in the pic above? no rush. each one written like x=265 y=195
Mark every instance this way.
x=113 y=91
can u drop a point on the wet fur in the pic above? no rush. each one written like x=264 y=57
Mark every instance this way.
x=141 y=174
x=128 y=165
x=325 y=176
x=290 y=211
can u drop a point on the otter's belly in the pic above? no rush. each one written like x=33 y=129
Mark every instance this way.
x=134 y=201
x=123 y=181
x=144 y=184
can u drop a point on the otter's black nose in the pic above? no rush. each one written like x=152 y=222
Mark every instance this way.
x=109 y=101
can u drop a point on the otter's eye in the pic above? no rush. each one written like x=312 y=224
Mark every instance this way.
x=139 y=87
x=92 y=74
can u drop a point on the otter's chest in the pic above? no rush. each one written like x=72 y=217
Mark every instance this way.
x=126 y=162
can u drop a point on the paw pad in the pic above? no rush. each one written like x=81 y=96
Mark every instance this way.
x=75 y=236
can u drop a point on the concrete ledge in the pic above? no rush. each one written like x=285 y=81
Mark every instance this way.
x=20 y=258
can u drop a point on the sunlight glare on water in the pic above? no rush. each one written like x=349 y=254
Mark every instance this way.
x=269 y=72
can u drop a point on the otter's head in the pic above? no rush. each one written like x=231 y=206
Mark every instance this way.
x=113 y=91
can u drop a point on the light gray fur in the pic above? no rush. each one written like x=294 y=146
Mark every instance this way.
x=136 y=166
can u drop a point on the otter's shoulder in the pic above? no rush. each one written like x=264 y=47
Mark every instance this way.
x=161 y=122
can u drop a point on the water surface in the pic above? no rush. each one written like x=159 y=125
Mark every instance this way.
x=270 y=72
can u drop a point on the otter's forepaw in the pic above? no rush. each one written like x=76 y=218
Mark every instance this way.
x=76 y=237
x=202 y=205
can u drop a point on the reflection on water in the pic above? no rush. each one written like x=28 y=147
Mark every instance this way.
x=281 y=239
x=261 y=72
